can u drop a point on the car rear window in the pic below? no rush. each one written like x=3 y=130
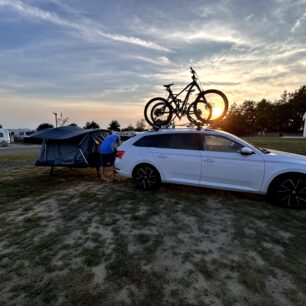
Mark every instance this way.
x=182 y=141
x=147 y=141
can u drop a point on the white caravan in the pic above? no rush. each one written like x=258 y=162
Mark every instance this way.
x=4 y=137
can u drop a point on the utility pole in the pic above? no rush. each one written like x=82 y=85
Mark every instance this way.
x=55 y=114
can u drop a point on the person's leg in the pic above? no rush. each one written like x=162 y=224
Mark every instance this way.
x=102 y=176
x=114 y=173
x=101 y=173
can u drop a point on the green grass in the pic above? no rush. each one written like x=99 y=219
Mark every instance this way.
x=69 y=240
x=12 y=158
x=292 y=145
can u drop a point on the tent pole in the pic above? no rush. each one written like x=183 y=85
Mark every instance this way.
x=79 y=145
x=45 y=155
x=83 y=156
x=82 y=139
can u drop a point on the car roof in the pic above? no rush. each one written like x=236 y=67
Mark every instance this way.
x=206 y=131
x=185 y=130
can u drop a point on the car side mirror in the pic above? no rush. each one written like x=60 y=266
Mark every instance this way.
x=246 y=151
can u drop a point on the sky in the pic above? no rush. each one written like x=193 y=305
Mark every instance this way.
x=102 y=60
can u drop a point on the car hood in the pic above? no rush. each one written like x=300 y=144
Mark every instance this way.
x=281 y=156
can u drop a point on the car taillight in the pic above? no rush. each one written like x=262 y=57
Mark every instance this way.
x=120 y=154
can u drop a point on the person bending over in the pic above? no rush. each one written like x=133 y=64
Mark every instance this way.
x=108 y=155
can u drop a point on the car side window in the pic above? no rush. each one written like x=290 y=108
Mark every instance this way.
x=147 y=141
x=218 y=143
x=182 y=141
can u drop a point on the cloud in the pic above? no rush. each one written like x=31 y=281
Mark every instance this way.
x=87 y=31
x=214 y=33
x=248 y=18
x=162 y=60
x=298 y=23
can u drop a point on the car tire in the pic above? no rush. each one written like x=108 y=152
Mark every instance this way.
x=288 y=191
x=146 y=177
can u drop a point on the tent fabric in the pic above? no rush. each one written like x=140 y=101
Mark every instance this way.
x=81 y=149
x=64 y=132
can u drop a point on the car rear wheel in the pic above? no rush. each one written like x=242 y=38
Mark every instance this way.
x=146 y=177
x=289 y=191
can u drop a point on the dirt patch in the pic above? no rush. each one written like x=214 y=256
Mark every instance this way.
x=76 y=241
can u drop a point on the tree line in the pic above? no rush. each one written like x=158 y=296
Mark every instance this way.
x=113 y=125
x=284 y=115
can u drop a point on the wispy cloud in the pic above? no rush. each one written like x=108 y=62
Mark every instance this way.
x=298 y=23
x=212 y=33
x=162 y=60
x=249 y=17
x=86 y=30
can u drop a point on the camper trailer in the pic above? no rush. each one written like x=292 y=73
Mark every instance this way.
x=21 y=134
x=125 y=135
x=4 y=137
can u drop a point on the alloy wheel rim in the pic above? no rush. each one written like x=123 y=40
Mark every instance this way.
x=146 y=178
x=292 y=192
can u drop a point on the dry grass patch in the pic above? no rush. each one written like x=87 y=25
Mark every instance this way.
x=69 y=240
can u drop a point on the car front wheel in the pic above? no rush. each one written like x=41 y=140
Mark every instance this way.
x=146 y=177
x=289 y=191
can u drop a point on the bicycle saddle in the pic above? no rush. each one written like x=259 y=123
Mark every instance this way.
x=168 y=85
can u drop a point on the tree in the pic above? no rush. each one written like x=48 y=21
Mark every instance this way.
x=234 y=121
x=265 y=116
x=44 y=126
x=73 y=124
x=114 y=126
x=283 y=115
x=91 y=125
x=297 y=103
x=128 y=128
x=140 y=125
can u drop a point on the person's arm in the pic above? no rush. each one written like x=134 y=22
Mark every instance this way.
x=117 y=143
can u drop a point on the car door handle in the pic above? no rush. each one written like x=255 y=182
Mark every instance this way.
x=209 y=160
x=161 y=156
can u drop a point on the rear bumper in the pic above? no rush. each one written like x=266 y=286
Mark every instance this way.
x=123 y=168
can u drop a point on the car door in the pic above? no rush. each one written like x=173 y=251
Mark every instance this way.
x=223 y=166
x=179 y=157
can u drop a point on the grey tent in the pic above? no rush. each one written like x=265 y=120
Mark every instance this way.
x=70 y=146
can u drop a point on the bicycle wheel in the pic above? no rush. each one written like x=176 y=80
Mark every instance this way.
x=218 y=102
x=158 y=112
x=205 y=111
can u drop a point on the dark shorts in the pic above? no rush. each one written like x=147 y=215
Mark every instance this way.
x=107 y=160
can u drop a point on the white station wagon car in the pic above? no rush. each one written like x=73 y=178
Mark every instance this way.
x=213 y=159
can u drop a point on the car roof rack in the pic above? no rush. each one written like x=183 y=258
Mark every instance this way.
x=198 y=126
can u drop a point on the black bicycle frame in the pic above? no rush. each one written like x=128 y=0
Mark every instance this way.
x=173 y=98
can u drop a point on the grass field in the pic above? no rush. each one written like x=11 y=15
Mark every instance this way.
x=293 y=145
x=69 y=240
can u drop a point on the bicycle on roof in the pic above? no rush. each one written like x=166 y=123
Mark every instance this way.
x=209 y=106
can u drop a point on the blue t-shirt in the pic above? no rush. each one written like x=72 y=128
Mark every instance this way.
x=107 y=146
